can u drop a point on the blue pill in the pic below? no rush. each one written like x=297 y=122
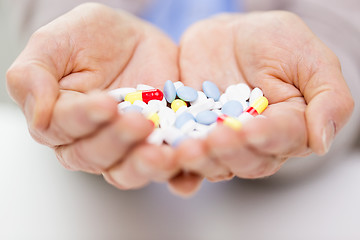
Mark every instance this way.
x=182 y=119
x=169 y=91
x=211 y=90
x=206 y=117
x=133 y=108
x=188 y=94
x=232 y=108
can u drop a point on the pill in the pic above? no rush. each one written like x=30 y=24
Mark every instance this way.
x=188 y=126
x=154 y=117
x=230 y=122
x=173 y=136
x=123 y=105
x=169 y=91
x=188 y=94
x=167 y=117
x=177 y=103
x=154 y=105
x=258 y=106
x=255 y=94
x=133 y=108
x=223 y=99
x=201 y=97
x=206 y=117
x=240 y=92
x=211 y=90
x=178 y=84
x=217 y=105
x=208 y=104
x=243 y=90
x=182 y=119
x=120 y=93
x=156 y=137
x=143 y=87
x=140 y=104
x=232 y=108
x=181 y=110
x=145 y=96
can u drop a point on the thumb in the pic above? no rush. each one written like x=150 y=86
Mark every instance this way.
x=330 y=105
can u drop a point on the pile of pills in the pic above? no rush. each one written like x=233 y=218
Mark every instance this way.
x=180 y=112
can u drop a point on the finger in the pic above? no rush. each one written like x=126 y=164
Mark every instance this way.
x=194 y=156
x=283 y=132
x=106 y=147
x=230 y=148
x=329 y=106
x=144 y=164
x=77 y=115
x=185 y=184
x=203 y=58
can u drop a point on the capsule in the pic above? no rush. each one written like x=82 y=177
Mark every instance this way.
x=229 y=121
x=154 y=117
x=258 y=106
x=145 y=96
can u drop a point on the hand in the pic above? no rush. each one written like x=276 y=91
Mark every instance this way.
x=60 y=81
x=275 y=51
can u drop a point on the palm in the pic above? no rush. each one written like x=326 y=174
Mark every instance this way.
x=275 y=52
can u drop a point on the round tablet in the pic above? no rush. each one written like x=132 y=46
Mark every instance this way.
x=187 y=94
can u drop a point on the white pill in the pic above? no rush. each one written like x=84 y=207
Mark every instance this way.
x=167 y=117
x=245 y=117
x=164 y=102
x=189 y=126
x=244 y=104
x=217 y=111
x=120 y=93
x=178 y=84
x=173 y=136
x=123 y=105
x=223 y=99
x=143 y=87
x=255 y=94
x=181 y=110
x=244 y=90
x=140 y=104
x=239 y=92
x=217 y=105
x=208 y=104
x=156 y=137
x=201 y=97
x=155 y=105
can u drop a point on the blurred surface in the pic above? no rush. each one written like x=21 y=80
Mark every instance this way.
x=42 y=200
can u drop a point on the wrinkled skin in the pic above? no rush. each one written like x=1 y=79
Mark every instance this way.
x=61 y=78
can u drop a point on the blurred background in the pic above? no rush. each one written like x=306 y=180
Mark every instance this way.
x=310 y=198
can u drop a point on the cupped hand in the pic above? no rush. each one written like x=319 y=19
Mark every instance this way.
x=60 y=81
x=275 y=51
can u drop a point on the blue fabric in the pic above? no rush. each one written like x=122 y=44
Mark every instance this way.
x=175 y=16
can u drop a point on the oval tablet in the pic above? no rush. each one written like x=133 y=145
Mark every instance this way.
x=182 y=119
x=232 y=108
x=211 y=90
x=169 y=91
x=187 y=94
x=206 y=117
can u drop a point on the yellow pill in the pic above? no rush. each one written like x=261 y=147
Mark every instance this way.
x=232 y=123
x=132 y=97
x=154 y=117
x=177 y=103
x=260 y=104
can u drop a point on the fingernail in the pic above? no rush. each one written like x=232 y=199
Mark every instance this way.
x=328 y=135
x=29 y=108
